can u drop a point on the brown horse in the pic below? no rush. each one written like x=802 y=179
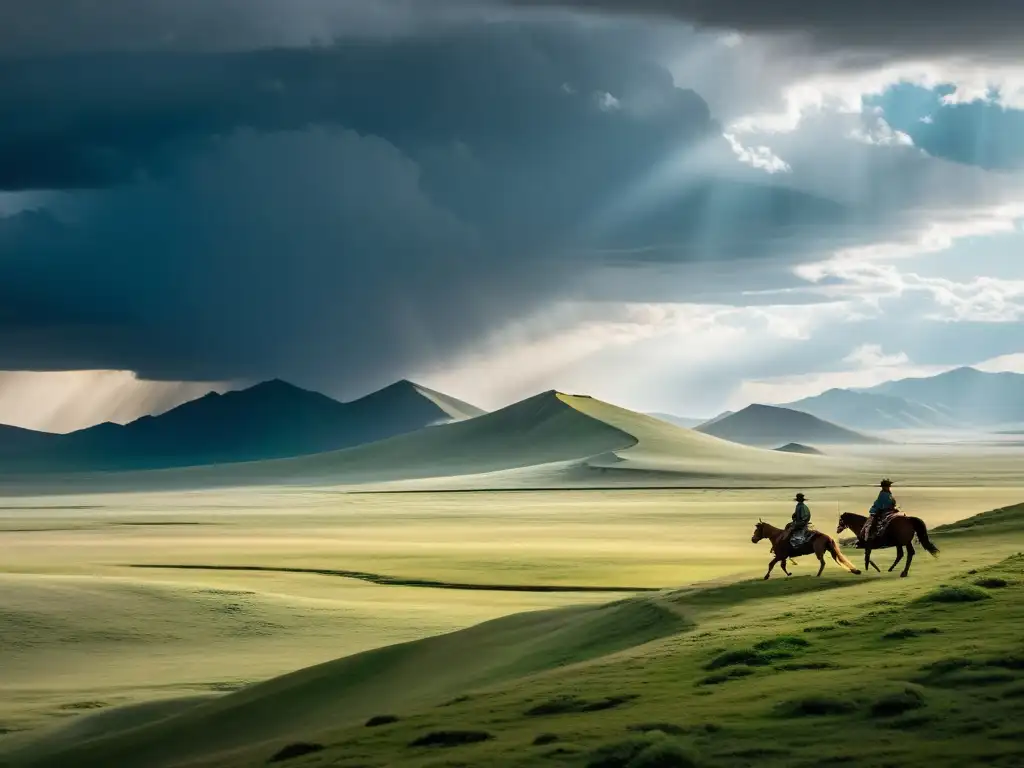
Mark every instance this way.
x=818 y=544
x=899 y=533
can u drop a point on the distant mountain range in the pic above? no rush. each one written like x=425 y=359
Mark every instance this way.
x=961 y=398
x=273 y=419
x=769 y=425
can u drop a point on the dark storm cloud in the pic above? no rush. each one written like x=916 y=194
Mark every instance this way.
x=353 y=213
x=94 y=120
x=896 y=27
x=63 y=26
x=347 y=213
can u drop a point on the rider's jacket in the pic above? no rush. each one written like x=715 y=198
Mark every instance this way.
x=801 y=515
x=884 y=503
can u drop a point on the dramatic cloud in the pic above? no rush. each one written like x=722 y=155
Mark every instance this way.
x=907 y=27
x=436 y=192
x=344 y=214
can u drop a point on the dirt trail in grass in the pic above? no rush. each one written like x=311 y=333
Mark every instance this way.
x=396 y=581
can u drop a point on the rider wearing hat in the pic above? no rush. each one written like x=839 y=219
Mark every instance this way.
x=801 y=518
x=884 y=504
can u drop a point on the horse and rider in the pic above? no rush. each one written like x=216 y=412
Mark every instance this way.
x=884 y=526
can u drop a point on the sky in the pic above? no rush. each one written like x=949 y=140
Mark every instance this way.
x=676 y=205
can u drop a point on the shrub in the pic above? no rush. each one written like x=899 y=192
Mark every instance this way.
x=897 y=703
x=665 y=754
x=566 y=704
x=815 y=706
x=619 y=754
x=298 y=749
x=955 y=594
x=909 y=632
x=992 y=582
x=450 y=738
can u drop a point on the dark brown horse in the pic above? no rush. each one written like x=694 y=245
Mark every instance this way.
x=899 y=533
x=818 y=544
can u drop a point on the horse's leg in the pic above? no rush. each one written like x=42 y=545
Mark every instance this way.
x=867 y=559
x=879 y=570
x=899 y=556
x=821 y=560
x=782 y=564
x=770 y=566
x=910 y=559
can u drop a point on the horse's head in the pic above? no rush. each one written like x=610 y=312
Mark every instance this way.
x=843 y=524
x=758 y=532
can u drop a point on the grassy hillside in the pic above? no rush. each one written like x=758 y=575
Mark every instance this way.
x=866 y=671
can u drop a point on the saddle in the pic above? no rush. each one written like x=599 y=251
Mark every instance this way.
x=881 y=526
x=800 y=539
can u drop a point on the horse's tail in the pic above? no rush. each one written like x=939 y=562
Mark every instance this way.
x=922 y=535
x=839 y=557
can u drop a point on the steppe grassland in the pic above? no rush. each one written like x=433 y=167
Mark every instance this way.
x=82 y=630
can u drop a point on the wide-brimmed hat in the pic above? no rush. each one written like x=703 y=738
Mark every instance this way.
x=885 y=483
x=799 y=497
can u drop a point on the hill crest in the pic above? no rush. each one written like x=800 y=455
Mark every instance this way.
x=772 y=425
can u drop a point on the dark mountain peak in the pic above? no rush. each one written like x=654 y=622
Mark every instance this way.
x=270 y=387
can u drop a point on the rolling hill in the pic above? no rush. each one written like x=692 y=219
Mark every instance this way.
x=273 y=419
x=769 y=425
x=548 y=440
x=807 y=450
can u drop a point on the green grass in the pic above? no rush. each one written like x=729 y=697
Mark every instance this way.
x=708 y=674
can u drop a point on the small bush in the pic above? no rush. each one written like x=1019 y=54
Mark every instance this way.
x=298 y=749
x=784 y=643
x=377 y=720
x=909 y=632
x=666 y=754
x=945 y=666
x=992 y=582
x=544 y=739
x=911 y=723
x=451 y=738
x=670 y=729
x=761 y=655
x=815 y=706
x=955 y=594
x=566 y=704
x=618 y=754
x=897 y=703
x=723 y=677
x=745 y=656
x=796 y=666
